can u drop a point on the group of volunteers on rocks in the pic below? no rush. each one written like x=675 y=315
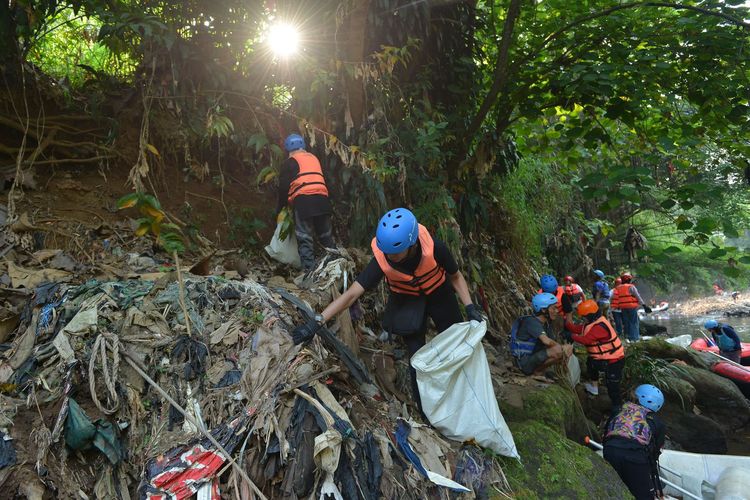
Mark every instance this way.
x=424 y=280
x=633 y=435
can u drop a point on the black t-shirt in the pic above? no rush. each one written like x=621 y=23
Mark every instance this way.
x=308 y=205
x=567 y=304
x=530 y=329
x=372 y=274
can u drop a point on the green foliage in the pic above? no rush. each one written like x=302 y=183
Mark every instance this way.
x=70 y=48
x=640 y=368
x=426 y=108
x=676 y=264
x=167 y=234
x=244 y=227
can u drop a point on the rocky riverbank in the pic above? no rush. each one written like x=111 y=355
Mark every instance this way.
x=724 y=305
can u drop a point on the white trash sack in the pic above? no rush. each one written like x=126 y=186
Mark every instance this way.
x=456 y=388
x=284 y=251
x=574 y=371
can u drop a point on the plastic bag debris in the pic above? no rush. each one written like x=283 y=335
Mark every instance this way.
x=7 y=451
x=82 y=434
x=284 y=251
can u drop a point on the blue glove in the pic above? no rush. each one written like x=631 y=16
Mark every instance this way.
x=473 y=313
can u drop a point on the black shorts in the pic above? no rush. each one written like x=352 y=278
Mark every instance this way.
x=530 y=362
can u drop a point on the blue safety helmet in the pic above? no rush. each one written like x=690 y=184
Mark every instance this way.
x=548 y=283
x=542 y=301
x=711 y=324
x=397 y=231
x=650 y=396
x=599 y=273
x=294 y=142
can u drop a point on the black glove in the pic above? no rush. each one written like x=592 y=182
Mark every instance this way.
x=472 y=313
x=647 y=309
x=305 y=332
x=567 y=335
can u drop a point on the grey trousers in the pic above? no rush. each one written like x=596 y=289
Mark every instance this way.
x=305 y=229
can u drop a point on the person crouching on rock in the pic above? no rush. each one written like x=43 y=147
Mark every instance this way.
x=606 y=353
x=633 y=439
x=423 y=278
x=532 y=347
x=726 y=338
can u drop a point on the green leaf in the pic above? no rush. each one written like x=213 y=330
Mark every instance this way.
x=258 y=141
x=706 y=225
x=151 y=200
x=128 y=201
x=716 y=253
x=668 y=203
x=732 y=272
x=729 y=230
x=684 y=225
x=745 y=259
x=672 y=249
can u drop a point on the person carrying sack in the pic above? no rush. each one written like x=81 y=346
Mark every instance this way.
x=423 y=279
x=302 y=186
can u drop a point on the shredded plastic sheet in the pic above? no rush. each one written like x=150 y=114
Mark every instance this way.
x=402 y=438
x=183 y=471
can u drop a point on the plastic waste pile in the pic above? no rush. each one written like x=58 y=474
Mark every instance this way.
x=120 y=388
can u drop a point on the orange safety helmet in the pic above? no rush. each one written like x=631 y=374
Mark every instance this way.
x=587 y=307
x=569 y=278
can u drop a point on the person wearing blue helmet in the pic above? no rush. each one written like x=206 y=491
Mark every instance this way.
x=423 y=279
x=633 y=438
x=532 y=343
x=600 y=292
x=302 y=186
x=726 y=338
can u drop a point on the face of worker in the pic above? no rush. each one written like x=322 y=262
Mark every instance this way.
x=553 y=312
x=398 y=257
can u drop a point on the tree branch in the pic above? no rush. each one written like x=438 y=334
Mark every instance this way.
x=501 y=69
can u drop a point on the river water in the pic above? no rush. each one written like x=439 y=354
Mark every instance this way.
x=678 y=324
x=738 y=443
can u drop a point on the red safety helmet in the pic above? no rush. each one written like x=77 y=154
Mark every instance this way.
x=618 y=281
x=626 y=277
x=569 y=278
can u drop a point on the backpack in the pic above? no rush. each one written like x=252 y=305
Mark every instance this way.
x=726 y=343
x=603 y=288
x=520 y=348
x=630 y=423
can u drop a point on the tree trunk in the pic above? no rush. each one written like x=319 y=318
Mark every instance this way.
x=352 y=40
x=9 y=54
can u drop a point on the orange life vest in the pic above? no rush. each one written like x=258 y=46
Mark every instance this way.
x=310 y=178
x=610 y=349
x=427 y=277
x=559 y=294
x=624 y=299
x=614 y=299
x=575 y=292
